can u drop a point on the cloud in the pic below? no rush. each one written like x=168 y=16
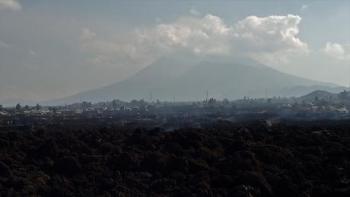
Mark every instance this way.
x=194 y=12
x=304 y=7
x=87 y=34
x=4 y=44
x=10 y=5
x=337 y=51
x=262 y=38
x=269 y=38
x=32 y=53
x=210 y=35
x=207 y=35
x=125 y=50
x=270 y=34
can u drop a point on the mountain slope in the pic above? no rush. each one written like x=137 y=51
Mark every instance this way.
x=189 y=79
x=319 y=95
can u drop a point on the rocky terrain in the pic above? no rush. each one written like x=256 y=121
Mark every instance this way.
x=247 y=159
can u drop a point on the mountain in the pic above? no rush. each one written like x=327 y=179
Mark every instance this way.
x=188 y=79
x=319 y=95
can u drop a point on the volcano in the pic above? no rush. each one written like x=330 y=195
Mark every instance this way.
x=190 y=79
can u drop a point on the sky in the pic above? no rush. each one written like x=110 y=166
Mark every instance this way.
x=51 y=49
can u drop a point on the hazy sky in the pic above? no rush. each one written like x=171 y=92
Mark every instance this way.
x=51 y=49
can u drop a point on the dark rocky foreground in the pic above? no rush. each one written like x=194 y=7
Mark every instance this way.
x=248 y=159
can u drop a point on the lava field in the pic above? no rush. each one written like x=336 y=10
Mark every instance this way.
x=244 y=160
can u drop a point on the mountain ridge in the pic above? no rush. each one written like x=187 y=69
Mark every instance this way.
x=189 y=79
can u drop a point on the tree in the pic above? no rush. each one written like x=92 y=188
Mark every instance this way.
x=343 y=95
x=53 y=109
x=1 y=108
x=212 y=101
x=225 y=101
x=114 y=104
x=85 y=105
x=18 y=107
x=37 y=107
x=26 y=107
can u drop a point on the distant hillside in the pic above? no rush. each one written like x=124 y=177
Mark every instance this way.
x=319 y=95
x=189 y=79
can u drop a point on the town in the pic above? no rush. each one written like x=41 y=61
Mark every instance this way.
x=317 y=105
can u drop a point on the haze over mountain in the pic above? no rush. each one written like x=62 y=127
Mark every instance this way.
x=185 y=78
x=54 y=49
